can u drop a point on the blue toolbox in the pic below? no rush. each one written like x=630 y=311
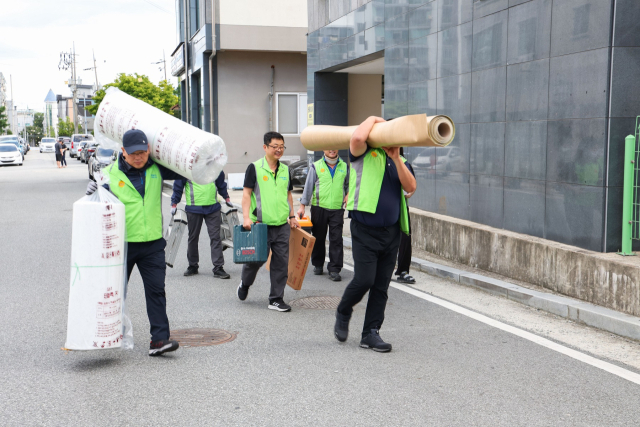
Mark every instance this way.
x=250 y=246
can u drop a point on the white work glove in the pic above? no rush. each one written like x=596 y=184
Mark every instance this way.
x=91 y=187
x=174 y=209
x=228 y=202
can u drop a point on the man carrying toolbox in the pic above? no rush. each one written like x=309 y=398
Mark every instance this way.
x=267 y=198
x=377 y=208
x=326 y=187
x=202 y=204
x=137 y=181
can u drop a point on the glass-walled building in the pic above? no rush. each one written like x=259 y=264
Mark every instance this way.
x=542 y=93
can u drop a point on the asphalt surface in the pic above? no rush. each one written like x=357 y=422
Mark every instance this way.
x=282 y=369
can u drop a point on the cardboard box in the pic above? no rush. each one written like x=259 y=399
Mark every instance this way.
x=300 y=248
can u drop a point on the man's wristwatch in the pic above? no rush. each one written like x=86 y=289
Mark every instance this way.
x=292 y=216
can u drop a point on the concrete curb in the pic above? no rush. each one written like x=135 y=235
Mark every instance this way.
x=579 y=311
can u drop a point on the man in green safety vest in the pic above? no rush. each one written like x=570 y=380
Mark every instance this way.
x=137 y=182
x=326 y=190
x=266 y=198
x=377 y=208
x=202 y=205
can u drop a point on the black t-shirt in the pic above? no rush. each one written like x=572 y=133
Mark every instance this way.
x=250 y=177
x=57 y=148
x=388 y=209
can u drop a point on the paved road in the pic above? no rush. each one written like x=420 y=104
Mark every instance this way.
x=283 y=369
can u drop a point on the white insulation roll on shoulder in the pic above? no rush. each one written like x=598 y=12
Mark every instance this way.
x=193 y=153
x=98 y=262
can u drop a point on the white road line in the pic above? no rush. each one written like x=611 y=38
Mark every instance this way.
x=589 y=360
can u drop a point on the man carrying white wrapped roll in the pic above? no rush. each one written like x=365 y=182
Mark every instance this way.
x=377 y=208
x=267 y=198
x=136 y=181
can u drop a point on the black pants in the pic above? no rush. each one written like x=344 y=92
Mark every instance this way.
x=213 y=221
x=334 y=220
x=149 y=257
x=63 y=160
x=374 y=255
x=278 y=243
x=404 y=252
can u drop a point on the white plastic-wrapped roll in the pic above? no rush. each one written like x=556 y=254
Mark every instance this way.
x=185 y=149
x=97 y=289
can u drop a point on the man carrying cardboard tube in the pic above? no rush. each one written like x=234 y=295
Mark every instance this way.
x=326 y=190
x=267 y=198
x=378 y=213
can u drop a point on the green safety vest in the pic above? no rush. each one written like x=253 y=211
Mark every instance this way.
x=270 y=195
x=143 y=216
x=365 y=181
x=201 y=195
x=329 y=188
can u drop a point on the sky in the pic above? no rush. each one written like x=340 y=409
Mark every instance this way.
x=127 y=36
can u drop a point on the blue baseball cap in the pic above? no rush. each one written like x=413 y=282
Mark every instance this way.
x=135 y=140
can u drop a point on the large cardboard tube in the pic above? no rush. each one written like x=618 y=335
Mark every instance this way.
x=416 y=130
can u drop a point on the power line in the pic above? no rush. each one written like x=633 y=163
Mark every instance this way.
x=155 y=5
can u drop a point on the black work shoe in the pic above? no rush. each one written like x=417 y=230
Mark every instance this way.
x=335 y=276
x=156 y=348
x=317 y=271
x=405 y=278
x=219 y=273
x=191 y=270
x=374 y=342
x=243 y=291
x=341 y=329
x=279 y=305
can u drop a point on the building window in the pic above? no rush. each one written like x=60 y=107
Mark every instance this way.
x=194 y=16
x=291 y=112
x=180 y=20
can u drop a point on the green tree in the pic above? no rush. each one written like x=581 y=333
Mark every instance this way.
x=65 y=127
x=177 y=113
x=4 y=123
x=139 y=86
x=36 y=131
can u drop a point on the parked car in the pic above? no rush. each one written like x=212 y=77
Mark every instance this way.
x=299 y=171
x=12 y=139
x=10 y=155
x=87 y=151
x=100 y=159
x=47 y=145
x=80 y=147
x=76 y=140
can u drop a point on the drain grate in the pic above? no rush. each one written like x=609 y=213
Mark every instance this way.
x=202 y=337
x=317 y=303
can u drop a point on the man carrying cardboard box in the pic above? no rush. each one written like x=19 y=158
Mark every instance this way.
x=326 y=188
x=378 y=215
x=267 y=198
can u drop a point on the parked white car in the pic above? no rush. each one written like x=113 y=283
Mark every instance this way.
x=47 y=145
x=10 y=155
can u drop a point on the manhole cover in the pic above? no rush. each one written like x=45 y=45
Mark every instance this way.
x=201 y=337
x=317 y=303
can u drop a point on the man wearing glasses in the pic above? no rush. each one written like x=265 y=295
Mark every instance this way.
x=137 y=181
x=266 y=198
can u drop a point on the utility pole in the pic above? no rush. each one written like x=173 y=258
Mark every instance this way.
x=95 y=68
x=75 y=91
x=163 y=61
x=12 y=125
